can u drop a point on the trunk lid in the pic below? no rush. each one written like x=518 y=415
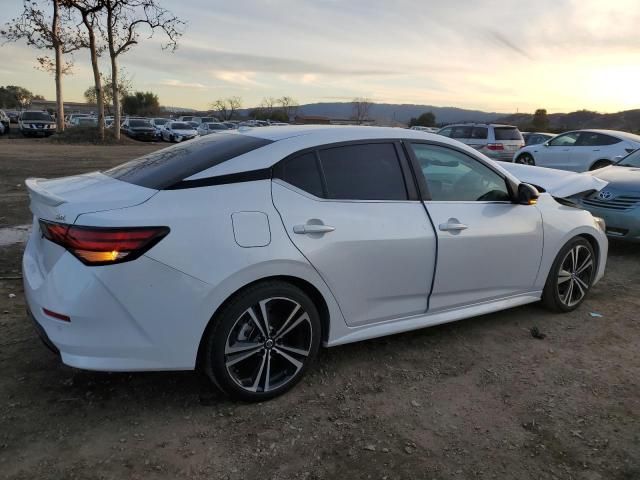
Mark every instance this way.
x=64 y=199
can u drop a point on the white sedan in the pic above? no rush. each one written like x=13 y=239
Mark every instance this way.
x=580 y=150
x=178 y=131
x=242 y=253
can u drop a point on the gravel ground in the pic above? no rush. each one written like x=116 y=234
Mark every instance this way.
x=479 y=398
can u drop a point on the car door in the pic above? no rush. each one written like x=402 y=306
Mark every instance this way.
x=591 y=147
x=556 y=153
x=354 y=213
x=488 y=247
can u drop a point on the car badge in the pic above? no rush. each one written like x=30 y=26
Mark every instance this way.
x=605 y=195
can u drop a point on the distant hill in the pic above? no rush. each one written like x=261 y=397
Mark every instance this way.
x=390 y=114
x=628 y=120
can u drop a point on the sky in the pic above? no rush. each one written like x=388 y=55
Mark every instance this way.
x=492 y=55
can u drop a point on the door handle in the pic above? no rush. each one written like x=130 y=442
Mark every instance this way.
x=452 y=227
x=310 y=228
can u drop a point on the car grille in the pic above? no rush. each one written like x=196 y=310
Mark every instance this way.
x=621 y=203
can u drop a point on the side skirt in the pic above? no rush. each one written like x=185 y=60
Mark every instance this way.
x=341 y=336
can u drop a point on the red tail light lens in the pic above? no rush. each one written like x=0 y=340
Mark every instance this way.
x=495 y=146
x=103 y=245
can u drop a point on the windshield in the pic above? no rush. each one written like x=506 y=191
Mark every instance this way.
x=631 y=160
x=36 y=116
x=180 y=126
x=139 y=123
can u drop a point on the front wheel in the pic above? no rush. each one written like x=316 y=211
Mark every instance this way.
x=570 y=277
x=525 y=159
x=262 y=341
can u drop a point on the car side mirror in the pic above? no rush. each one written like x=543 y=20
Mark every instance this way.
x=527 y=194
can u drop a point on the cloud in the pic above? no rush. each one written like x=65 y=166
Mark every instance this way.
x=236 y=78
x=170 y=82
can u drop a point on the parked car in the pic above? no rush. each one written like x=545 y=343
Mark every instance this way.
x=159 y=124
x=536 y=138
x=208 y=119
x=230 y=125
x=178 y=131
x=13 y=115
x=619 y=202
x=82 y=121
x=5 y=121
x=139 y=129
x=70 y=119
x=498 y=142
x=580 y=150
x=425 y=129
x=242 y=252
x=211 y=127
x=194 y=125
x=36 y=123
x=186 y=118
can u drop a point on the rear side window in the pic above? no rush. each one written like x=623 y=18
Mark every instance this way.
x=507 y=133
x=303 y=172
x=461 y=132
x=593 y=139
x=480 y=133
x=168 y=166
x=363 y=172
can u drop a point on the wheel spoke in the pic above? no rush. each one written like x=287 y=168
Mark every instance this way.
x=582 y=284
x=256 y=382
x=302 y=318
x=286 y=322
x=265 y=318
x=564 y=276
x=243 y=356
x=567 y=295
x=573 y=259
x=295 y=362
x=241 y=347
x=586 y=264
x=580 y=289
x=253 y=316
x=297 y=351
x=267 y=375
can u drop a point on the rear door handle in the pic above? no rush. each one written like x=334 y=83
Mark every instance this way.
x=452 y=227
x=310 y=228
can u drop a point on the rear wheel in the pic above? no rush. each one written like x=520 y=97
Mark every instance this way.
x=600 y=164
x=262 y=341
x=525 y=159
x=570 y=277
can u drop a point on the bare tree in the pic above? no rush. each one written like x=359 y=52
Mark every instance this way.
x=289 y=106
x=225 y=108
x=361 y=108
x=89 y=10
x=268 y=104
x=125 y=19
x=123 y=88
x=46 y=30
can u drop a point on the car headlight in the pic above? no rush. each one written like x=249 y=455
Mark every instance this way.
x=600 y=223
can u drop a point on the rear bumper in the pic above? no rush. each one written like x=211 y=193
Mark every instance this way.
x=134 y=316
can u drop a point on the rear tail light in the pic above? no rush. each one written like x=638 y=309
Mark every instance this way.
x=103 y=245
x=495 y=146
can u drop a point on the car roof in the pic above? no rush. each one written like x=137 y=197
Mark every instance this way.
x=613 y=133
x=329 y=133
x=479 y=124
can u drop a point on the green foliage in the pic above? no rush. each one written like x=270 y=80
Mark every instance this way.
x=141 y=103
x=13 y=96
x=540 y=120
x=427 y=119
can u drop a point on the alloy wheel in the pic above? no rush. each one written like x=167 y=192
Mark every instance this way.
x=268 y=344
x=575 y=275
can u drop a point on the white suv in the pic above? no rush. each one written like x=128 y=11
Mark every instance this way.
x=498 y=142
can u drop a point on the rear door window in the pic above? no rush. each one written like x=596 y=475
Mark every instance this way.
x=166 y=167
x=461 y=132
x=363 y=172
x=479 y=133
x=507 y=133
x=594 y=139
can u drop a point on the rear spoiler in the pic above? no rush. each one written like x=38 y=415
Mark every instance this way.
x=39 y=194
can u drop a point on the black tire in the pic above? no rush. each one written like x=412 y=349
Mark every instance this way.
x=252 y=378
x=600 y=164
x=566 y=273
x=525 y=159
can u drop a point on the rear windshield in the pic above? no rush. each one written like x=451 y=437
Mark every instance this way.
x=507 y=133
x=166 y=167
x=36 y=116
x=139 y=123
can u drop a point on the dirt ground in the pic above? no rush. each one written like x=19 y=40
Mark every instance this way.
x=476 y=399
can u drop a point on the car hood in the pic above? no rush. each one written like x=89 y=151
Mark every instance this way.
x=624 y=178
x=558 y=183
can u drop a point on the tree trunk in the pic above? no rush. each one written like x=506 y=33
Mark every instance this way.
x=115 y=94
x=96 y=75
x=55 y=28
